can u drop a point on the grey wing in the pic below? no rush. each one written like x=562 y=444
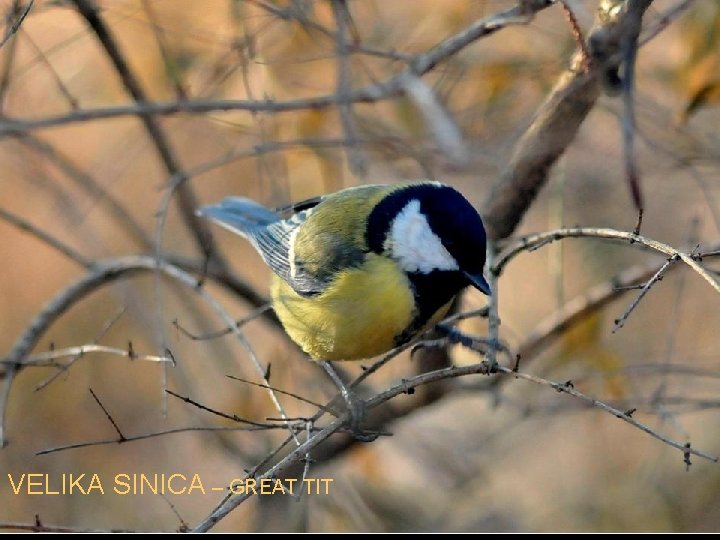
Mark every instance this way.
x=275 y=244
x=270 y=235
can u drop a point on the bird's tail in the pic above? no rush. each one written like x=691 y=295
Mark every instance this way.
x=239 y=215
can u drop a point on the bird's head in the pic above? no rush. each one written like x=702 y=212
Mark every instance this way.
x=431 y=228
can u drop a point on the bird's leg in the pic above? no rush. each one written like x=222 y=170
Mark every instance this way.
x=355 y=405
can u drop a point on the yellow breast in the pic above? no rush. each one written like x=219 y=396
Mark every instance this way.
x=359 y=315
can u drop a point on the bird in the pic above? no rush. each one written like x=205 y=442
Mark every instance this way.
x=366 y=269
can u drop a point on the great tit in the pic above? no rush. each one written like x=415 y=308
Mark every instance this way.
x=363 y=270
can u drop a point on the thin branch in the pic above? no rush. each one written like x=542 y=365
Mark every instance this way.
x=283 y=392
x=622 y=415
x=15 y=25
x=254 y=314
x=188 y=202
x=666 y=19
x=233 y=417
x=581 y=307
x=49 y=358
x=155 y=434
x=356 y=159
x=222 y=275
x=438 y=121
x=171 y=67
x=48 y=239
x=63 y=368
x=629 y=48
x=91 y=186
x=530 y=242
x=62 y=88
x=576 y=32
x=122 y=437
x=657 y=276
x=9 y=57
x=421 y=64
x=100 y=275
x=493 y=304
x=34 y=527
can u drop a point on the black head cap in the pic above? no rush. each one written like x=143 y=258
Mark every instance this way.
x=451 y=218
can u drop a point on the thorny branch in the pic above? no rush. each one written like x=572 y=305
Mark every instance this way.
x=404 y=387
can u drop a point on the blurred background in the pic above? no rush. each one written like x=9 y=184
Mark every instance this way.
x=522 y=458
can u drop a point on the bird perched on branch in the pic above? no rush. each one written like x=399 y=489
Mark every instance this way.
x=363 y=270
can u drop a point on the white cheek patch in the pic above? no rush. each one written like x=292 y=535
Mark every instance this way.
x=414 y=245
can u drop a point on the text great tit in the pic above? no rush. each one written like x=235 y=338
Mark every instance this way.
x=363 y=270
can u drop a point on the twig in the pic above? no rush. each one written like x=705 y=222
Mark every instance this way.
x=581 y=307
x=283 y=392
x=622 y=415
x=356 y=159
x=482 y=312
x=233 y=417
x=527 y=242
x=184 y=527
x=155 y=434
x=171 y=67
x=62 y=88
x=665 y=19
x=493 y=303
x=62 y=369
x=9 y=57
x=222 y=275
x=91 y=186
x=657 y=276
x=45 y=237
x=57 y=528
x=122 y=437
x=629 y=47
x=15 y=26
x=577 y=33
x=438 y=121
x=48 y=358
x=254 y=314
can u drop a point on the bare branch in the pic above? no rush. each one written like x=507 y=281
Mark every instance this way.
x=233 y=417
x=40 y=528
x=108 y=416
x=186 y=198
x=442 y=126
x=536 y=240
x=559 y=119
x=657 y=276
x=230 y=503
x=155 y=434
x=45 y=237
x=421 y=64
x=63 y=368
x=101 y=274
x=14 y=26
x=629 y=48
x=356 y=159
x=90 y=185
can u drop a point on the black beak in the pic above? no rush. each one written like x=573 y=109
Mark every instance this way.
x=478 y=281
